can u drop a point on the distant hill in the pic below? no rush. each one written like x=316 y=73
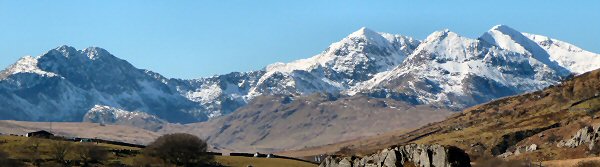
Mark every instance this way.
x=283 y=122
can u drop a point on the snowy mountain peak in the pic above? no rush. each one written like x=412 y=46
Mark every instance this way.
x=364 y=31
x=507 y=38
x=369 y=35
x=65 y=50
x=94 y=53
x=69 y=52
x=441 y=35
x=504 y=28
x=26 y=64
x=515 y=41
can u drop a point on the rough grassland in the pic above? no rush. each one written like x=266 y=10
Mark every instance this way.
x=12 y=145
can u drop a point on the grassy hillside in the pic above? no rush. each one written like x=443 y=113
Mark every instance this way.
x=542 y=117
x=15 y=147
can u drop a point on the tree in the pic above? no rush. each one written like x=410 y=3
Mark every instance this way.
x=90 y=153
x=59 y=151
x=180 y=149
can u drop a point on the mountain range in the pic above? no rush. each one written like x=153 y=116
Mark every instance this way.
x=445 y=70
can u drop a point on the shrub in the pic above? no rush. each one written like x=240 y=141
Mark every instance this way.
x=552 y=138
x=180 y=149
x=59 y=151
x=90 y=153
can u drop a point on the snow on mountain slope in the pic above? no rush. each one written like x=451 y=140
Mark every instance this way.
x=567 y=55
x=449 y=70
x=26 y=64
x=220 y=94
x=352 y=60
x=513 y=40
x=110 y=115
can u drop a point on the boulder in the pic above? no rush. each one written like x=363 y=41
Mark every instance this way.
x=416 y=154
x=531 y=148
x=586 y=135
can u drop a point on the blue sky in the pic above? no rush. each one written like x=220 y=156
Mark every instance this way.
x=191 y=39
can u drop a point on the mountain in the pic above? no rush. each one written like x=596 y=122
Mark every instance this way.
x=451 y=70
x=445 y=70
x=356 y=58
x=64 y=83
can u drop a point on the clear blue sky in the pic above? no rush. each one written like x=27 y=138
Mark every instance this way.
x=191 y=39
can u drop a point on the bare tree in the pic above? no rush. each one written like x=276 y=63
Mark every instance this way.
x=59 y=151
x=90 y=153
x=180 y=149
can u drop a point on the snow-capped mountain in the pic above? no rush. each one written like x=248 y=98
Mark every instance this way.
x=354 y=59
x=445 y=69
x=64 y=83
x=111 y=115
x=450 y=70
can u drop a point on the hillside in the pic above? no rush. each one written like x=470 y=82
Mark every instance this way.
x=548 y=118
x=275 y=123
x=119 y=155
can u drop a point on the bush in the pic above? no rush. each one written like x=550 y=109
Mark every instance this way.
x=180 y=149
x=89 y=153
x=552 y=138
x=59 y=151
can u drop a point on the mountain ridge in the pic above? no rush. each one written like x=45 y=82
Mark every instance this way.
x=444 y=70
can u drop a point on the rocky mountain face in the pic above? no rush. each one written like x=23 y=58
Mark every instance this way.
x=64 y=83
x=109 y=115
x=445 y=70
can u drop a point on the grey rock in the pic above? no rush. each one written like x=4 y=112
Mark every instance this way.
x=419 y=155
x=586 y=135
x=531 y=148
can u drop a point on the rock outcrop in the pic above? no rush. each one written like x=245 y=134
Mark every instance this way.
x=413 y=154
x=586 y=135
